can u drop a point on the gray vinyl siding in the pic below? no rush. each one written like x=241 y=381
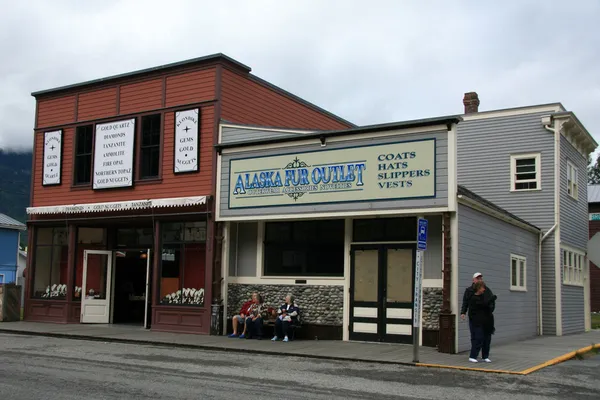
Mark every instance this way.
x=574 y=231
x=485 y=245
x=433 y=255
x=573 y=310
x=484 y=148
x=243 y=247
x=548 y=286
x=232 y=135
x=574 y=224
x=441 y=199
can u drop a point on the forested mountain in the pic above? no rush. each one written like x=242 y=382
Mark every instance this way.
x=15 y=182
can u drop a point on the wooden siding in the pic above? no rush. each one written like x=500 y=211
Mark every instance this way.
x=247 y=101
x=485 y=245
x=97 y=104
x=232 y=135
x=441 y=179
x=52 y=112
x=548 y=286
x=193 y=184
x=594 y=269
x=190 y=87
x=141 y=96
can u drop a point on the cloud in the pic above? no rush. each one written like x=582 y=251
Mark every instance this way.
x=367 y=62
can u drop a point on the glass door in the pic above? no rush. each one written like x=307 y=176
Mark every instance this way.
x=96 y=288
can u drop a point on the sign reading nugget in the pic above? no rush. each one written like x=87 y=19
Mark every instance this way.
x=376 y=172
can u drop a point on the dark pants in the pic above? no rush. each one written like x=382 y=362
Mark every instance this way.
x=281 y=328
x=480 y=341
x=254 y=328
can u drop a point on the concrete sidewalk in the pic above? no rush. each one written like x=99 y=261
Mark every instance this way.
x=519 y=358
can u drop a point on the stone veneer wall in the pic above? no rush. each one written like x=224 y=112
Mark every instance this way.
x=322 y=305
x=432 y=305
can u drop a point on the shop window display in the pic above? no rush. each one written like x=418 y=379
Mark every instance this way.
x=51 y=259
x=183 y=263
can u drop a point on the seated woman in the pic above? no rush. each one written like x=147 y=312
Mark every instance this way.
x=257 y=313
x=288 y=316
x=240 y=319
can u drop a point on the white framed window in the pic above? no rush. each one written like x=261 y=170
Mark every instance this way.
x=572 y=179
x=573 y=267
x=518 y=273
x=525 y=172
x=1 y=278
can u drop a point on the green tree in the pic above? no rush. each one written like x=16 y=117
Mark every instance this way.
x=594 y=171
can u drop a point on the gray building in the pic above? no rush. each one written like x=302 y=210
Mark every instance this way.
x=330 y=216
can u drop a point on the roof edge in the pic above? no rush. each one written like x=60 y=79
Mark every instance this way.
x=571 y=114
x=164 y=67
x=448 y=120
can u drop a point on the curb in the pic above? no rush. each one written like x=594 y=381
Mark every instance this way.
x=198 y=346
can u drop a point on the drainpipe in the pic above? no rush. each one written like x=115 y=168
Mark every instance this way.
x=547 y=122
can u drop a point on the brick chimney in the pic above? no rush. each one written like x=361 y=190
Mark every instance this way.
x=471 y=102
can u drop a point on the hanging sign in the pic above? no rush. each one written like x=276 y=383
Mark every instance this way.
x=113 y=154
x=186 y=141
x=52 y=158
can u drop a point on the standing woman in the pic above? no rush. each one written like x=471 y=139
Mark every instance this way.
x=481 y=319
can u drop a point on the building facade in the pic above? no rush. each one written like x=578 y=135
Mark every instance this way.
x=299 y=219
x=122 y=226
x=10 y=237
x=593 y=246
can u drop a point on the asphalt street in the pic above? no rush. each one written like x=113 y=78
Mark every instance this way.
x=34 y=367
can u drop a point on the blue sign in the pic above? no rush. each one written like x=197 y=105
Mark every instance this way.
x=422 y=234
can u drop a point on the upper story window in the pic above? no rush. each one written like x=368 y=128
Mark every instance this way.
x=84 y=139
x=572 y=179
x=150 y=147
x=525 y=172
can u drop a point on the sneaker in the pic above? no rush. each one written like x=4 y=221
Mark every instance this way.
x=487 y=360
x=473 y=360
x=285 y=339
x=274 y=338
x=242 y=336
x=233 y=335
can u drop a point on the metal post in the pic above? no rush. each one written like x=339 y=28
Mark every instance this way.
x=147 y=289
x=417 y=304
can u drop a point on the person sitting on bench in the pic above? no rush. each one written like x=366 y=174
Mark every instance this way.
x=241 y=318
x=288 y=316
x=257 y=313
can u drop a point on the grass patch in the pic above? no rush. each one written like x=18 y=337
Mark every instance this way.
x=595 y=321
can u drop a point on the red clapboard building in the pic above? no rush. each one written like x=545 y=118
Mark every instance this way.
x=594 y=229
x=121 y=224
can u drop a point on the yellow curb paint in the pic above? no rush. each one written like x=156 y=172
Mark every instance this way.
x=528 y=371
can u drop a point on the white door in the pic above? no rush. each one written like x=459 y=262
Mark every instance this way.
x=96 y=288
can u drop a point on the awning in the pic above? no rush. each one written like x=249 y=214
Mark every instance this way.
x=119 y=205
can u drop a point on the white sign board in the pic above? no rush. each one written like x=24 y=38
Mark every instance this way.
x=187 y=146
x=417 y=294
x=52 y=157
x=113 y=154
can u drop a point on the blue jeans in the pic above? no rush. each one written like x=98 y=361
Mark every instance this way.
x=480 y=341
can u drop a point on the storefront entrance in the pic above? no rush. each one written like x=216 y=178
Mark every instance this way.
x=116 y=287
x=381 y=292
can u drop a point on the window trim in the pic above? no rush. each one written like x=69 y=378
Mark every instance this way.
x=521 y=286
x=581 y=269
x=138 y=147
x=538 y=171
x=573 y=193
x=75 y=185
x=1 y=279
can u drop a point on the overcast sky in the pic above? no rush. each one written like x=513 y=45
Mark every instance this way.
x=369 y=62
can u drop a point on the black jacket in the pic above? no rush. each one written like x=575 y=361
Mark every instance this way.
x=470 y=292
x=480 y=312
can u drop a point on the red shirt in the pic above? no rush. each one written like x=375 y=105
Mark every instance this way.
x=244 y=309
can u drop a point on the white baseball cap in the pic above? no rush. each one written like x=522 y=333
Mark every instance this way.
x=477 y=274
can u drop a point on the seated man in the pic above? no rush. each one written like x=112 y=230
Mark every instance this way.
x=288 y=316
x=241 y=318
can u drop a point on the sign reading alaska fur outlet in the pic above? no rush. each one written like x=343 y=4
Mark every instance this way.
x=367 y=173
x=113 y=154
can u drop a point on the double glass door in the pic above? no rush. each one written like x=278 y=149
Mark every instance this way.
x=381 y=292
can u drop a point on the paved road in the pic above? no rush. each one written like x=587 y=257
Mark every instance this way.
x=46 y=368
